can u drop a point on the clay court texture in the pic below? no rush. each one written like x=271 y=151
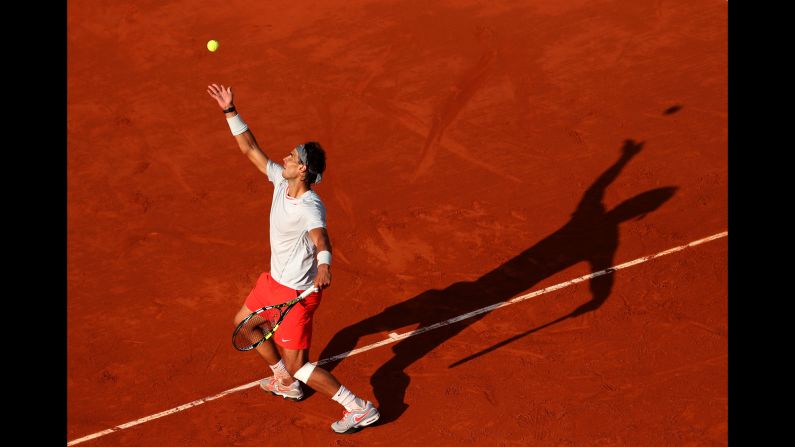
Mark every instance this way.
x=478 y=151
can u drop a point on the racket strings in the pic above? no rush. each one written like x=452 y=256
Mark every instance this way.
x=255 y=329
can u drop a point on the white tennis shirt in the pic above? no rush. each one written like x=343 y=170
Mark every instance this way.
x=293 y=262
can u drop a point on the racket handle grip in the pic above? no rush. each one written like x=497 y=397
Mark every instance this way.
x=308 y=291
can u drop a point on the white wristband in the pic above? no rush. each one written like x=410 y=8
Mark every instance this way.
x=324 y=257
x=237 y=125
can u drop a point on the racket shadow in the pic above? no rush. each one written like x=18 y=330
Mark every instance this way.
x=590 y=235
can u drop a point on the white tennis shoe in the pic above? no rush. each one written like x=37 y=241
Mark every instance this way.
x=353 y=421
x=275 y=387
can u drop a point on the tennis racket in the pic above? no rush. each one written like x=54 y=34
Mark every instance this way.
x=263 y=322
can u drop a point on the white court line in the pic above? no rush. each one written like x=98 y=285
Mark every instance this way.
x=394 y=337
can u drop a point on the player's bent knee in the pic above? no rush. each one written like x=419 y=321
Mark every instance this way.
x=304 y=372
x=240 y=316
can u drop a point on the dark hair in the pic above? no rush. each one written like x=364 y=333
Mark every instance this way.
x=315 y=161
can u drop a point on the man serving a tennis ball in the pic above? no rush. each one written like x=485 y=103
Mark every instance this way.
x=297 y=232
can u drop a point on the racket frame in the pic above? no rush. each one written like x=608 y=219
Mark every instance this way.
x=288 y=304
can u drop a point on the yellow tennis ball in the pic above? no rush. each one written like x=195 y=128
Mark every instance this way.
x=212 y=45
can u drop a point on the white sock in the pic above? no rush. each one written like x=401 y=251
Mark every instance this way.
x=280 y=371
x=348 y=400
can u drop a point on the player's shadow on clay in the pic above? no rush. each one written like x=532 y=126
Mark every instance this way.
x=590 y=235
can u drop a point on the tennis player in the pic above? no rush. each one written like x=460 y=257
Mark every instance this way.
x=300 y=258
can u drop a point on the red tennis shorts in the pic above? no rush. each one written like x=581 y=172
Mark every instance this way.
x=295 y=332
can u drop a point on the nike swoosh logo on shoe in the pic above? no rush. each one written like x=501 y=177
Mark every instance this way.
x=359 y=419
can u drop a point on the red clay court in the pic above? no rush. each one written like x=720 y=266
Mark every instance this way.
x=478 y=151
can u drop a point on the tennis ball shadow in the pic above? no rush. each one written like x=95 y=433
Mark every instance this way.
x=673 y=109
x=591 y=235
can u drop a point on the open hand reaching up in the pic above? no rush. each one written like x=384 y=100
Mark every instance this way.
x=223 y=95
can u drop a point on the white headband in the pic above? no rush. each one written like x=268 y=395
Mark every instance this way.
x=302 y=156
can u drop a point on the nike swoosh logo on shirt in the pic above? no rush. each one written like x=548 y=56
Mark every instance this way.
x=285 y=340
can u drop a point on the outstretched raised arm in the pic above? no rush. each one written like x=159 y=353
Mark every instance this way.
x=245 y=139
